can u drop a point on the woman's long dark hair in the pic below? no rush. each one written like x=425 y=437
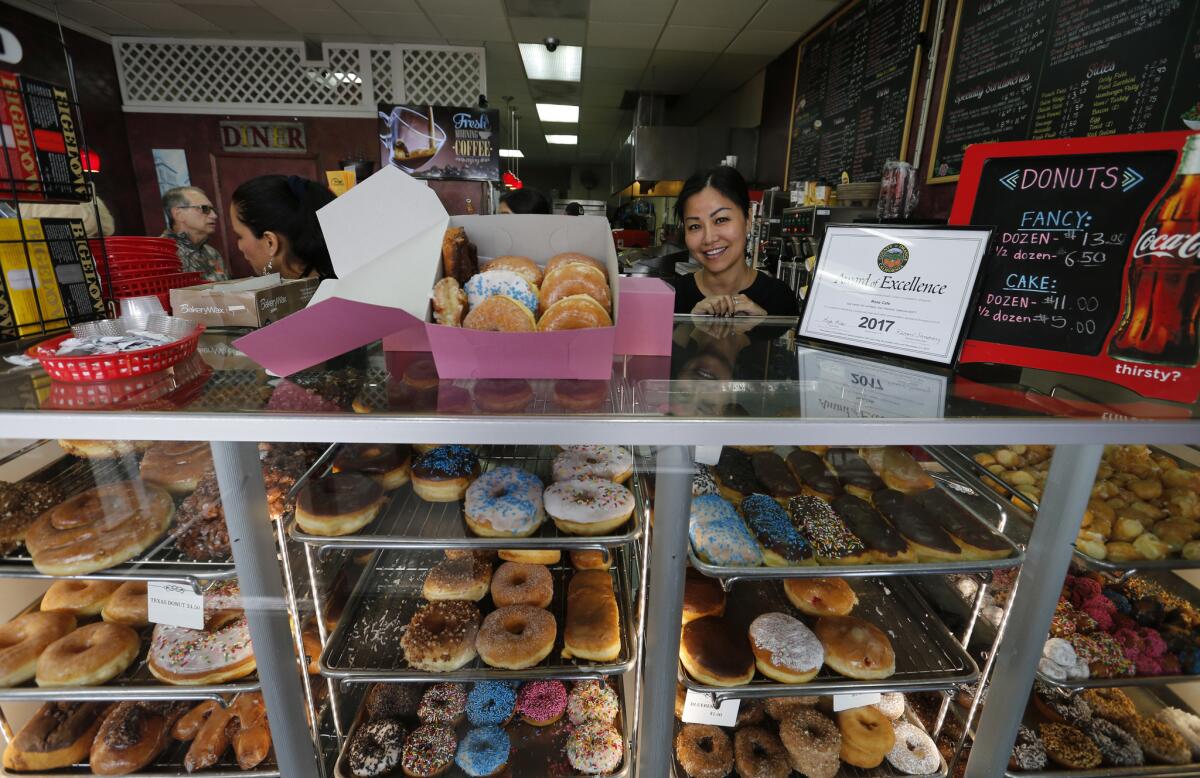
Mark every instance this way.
x=724 y=178
x=287 y=205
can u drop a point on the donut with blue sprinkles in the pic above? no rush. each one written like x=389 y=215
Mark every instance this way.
x=782 y=545
x=491 y=703
x=484 y=751
x=493 y=282
x=718 y=534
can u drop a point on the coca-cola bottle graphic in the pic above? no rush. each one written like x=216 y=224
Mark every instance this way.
x=1162 y=299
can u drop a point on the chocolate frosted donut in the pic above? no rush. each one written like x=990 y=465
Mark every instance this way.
x=782 y=545
x=812 y=472
x=394 y=700
x=978 y=541
x=338 y=504
x=735 y=474
x=922 y=531
x=884 y=542
x=773 y=473
x=854 y=472
x=832 y=541
x=716 y=652
x=386 y=463
x=443 y=474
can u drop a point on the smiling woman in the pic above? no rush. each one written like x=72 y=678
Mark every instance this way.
x=714 y=208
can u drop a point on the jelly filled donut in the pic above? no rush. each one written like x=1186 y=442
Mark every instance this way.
x=820 y=596
x=338 y=504
x=504 y=502
x=785 y=650
x=585 y=506
x=443 y=474
x=523 y=266
x=855 y=648
x=577 y=312
x=500 y=314
x=490 y=283
x=441 y=635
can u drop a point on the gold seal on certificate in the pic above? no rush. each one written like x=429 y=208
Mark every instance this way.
x=904 y=291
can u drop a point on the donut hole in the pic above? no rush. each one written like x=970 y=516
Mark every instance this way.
x=515 y=627
x=436 y=624
x=706 y=744
x=519 y=579
x=758 y=752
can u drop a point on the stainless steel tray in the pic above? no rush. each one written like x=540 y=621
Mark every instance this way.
x=169 y=764
x=365 y=647
x=161 y=562
x=928 y=658
x=534 y=749
x=977 y=509
x=407 y=521
x=960 y=461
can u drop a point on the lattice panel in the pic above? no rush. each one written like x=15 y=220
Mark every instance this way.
x=435 y=76
x=381 y=74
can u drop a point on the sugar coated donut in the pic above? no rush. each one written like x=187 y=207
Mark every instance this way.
x=89 y=656
x=592 y=701
x=491 y=703
x=891 y=704
x=779 y=708
x=718 y=534
x=703 y=751
x=867 y=736
x=595 y=749
x=375 y=748
x=1188 y=725
x=574 y=258
x=501 y=282
x=577 y=312
x=444 y=704
x=516 y=637
x=586 y=506
x=611 y=463
x=504 y=502
x=429 y=751
x=541 y=703
x=202 y=656
x=914 y=752
x=758 y=753
x=23 y=640
x=820 y=596
x=501 y=314
x=785 y=650
x=813 y=742
x=440 y=636
x=574 y=279
x=855 y=648
x=81 y=598
x=484 y=751
x=516 y=583
x=127 y=605
x=523 y=266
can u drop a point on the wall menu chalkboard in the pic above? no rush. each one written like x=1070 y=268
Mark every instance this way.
x=855 y=83
x=1041 y=69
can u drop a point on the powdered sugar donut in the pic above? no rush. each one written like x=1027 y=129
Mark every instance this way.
x=1188 y=725
x=1060 y=652
x=785 y=650
x=587 y=506
x=914 y=752
x=612 y=463
x=891 y=705
x=505 y=282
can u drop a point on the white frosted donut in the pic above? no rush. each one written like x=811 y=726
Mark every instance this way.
x=892 y=705
x=1060 y=652
x=914 y=752
x=588 y=506
x=612 y=463
x=505 y=501
x=1188 y=725
x=493 y=282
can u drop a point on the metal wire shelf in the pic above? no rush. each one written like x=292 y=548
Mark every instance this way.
x=364 y=647
x=928 y=658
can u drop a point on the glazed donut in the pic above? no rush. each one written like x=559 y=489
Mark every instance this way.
x=516 y=583
x=501 y=314
x=444 y=473
x=914 y=752
x=812 y=741
x=573 y=394
x=523 y=266
x=503 y=395
x=590 y=559
x=99 y=528
x=449 y=302
x=855 y=648
x=81 y=598
x=441 y=635
x=702 y=596
x=610 y=463
x=176 y=466
x=1188 y=725
x=190 y=657
x=384 y=463
x=516 y=637
x=785 y=650
x=595 y=749
x=505 y=502
x=867 y=736
x=444 y=704
x=89 y=656
x=820 y=596
x=59 y=734
x=588 y=506
x=338 y=504
x=208 y=727
x=501 y=283
x=531 y=556
x=429 y=751
x=376 y=748
x=24 y=638
x=758 y=753
x=574 y=279
x=458 y=579
x=703 y=751
x=577 y=312
x=714 y=652
x=104 y=449
x=484 y=751
x=190 y=723
x=252 y=739
x=573 y=258
x=592 y=701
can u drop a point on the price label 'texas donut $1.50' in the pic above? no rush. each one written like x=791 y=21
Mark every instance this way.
x=176 y=605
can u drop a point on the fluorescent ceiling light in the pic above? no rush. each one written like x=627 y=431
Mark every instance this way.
x=512 y=153
x=562 y=64
x=565 y=140
x=550 y=112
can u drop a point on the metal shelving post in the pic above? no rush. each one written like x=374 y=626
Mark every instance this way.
x=244 y=496
x=1035 y=596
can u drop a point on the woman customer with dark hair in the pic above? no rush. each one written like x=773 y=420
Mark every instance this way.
x=714 y=209
x=275 y=219
x=524 y=200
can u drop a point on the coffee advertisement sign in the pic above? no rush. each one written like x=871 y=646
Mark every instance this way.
x=437 y=141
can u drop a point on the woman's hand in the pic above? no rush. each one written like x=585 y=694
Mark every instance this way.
x=727 y=305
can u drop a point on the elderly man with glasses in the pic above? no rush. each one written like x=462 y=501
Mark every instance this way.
x=191 y=220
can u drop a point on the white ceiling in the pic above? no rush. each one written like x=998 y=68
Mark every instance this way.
x=700 y=48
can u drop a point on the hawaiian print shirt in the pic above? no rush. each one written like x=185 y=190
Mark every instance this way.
x=199 y=258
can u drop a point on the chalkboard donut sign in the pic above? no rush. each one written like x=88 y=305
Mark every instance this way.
x=1094 y=267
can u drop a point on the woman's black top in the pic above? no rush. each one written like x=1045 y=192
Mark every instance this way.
x=768 y=293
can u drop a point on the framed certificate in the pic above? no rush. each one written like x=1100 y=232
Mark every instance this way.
x=903 y=291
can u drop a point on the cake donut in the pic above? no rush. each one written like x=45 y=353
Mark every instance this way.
x=611 y=463
x=483 y=752
x=504 y=502
x=443 y=474
x=523 y=266
x=202 y=656
x=441 y=635
x=385 y=463
x=595 y=748
x=703 y=751
x=79 y=598
x=89 y=656
x=758 y=753
x=516 y=583
x=516 y=637
x=914 y=752
x=592 y=701
x=586 y=506
x=500 y=314
x=813 y=742
x=719 y=536
x=541 y=703
x=855 y=648
x=376 y=748
x=338 y=504
x=577 y=312
x=785 y=650
x=715 y=652
x=507 y=283
x=782 y=545
x=820 y=596
x=867 y=736
x=458 y=579
x=891 y=705
x=444 y=704
x=832 y=541
x=429 y=751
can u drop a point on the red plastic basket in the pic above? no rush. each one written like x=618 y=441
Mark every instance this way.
x=146 y=285
x=166 y=390
x=109 y=367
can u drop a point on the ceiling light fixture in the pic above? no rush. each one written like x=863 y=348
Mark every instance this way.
x=514 y=153
x=552 y=112
x=564 y=140
x=563 y=64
